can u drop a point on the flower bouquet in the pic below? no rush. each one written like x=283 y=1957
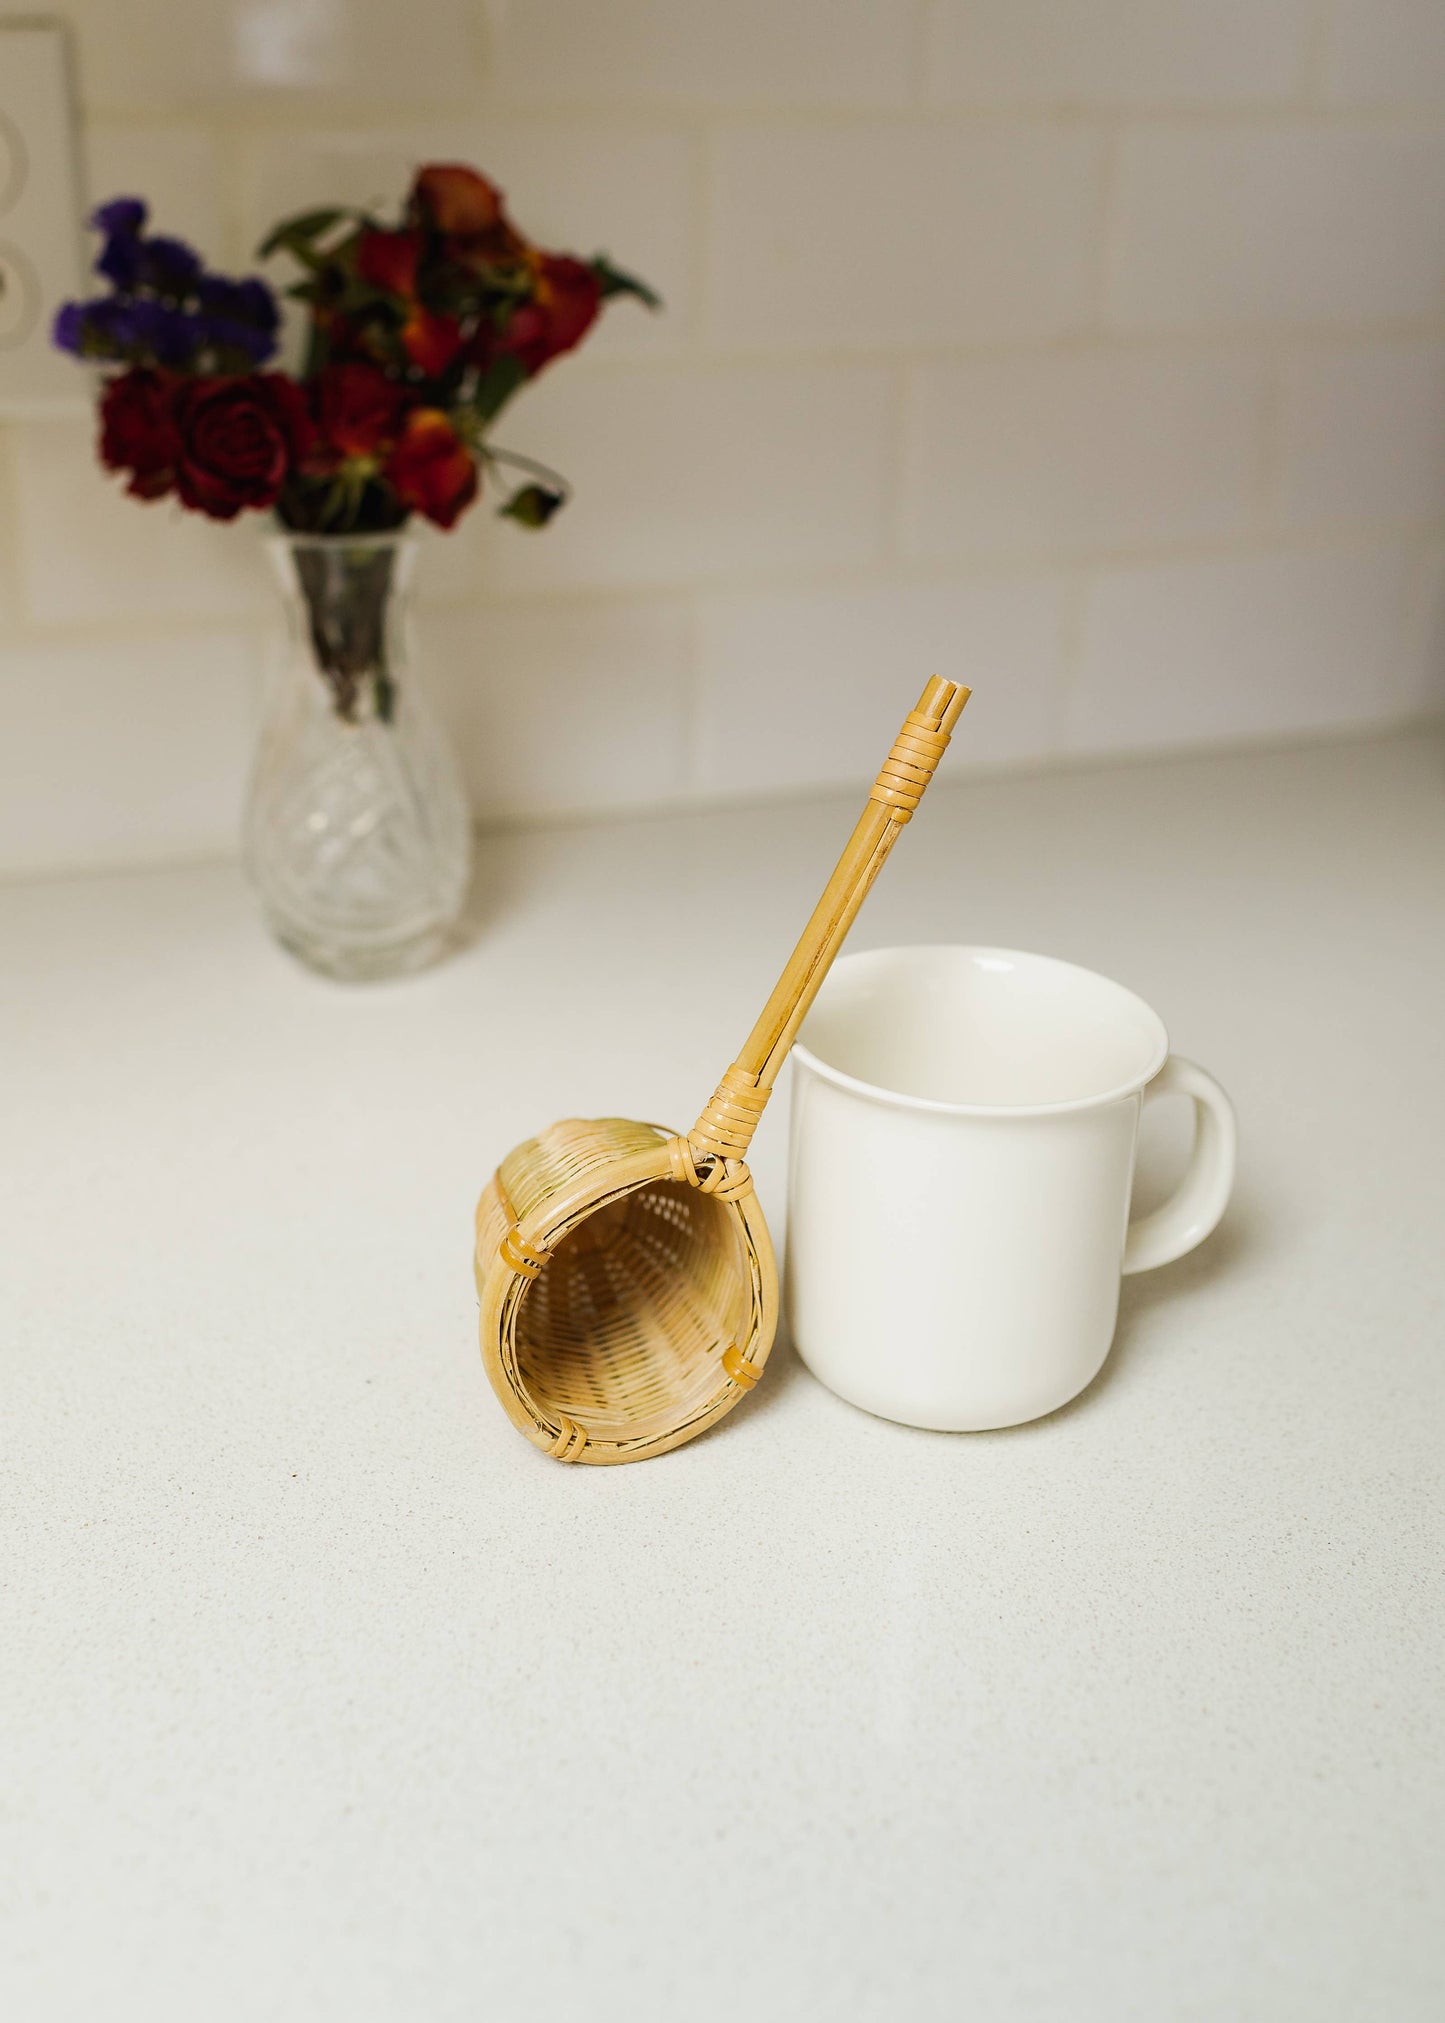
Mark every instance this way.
x=416 y=334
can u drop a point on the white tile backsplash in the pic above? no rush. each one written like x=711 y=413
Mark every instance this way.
x=1422 y=674
x=886 y=234
x=1240 y=647
x=1363 y=433
x=704 y=52
x=582 y=704
x=114 y=753
x=1117 y=52
x=90 y=555
x=690 y=474
x=1387 y=52
x=177 y=171
x=821 y=671
x=1094 y=349
x=180 y=55
x=1080 y=451
x=1220 y=227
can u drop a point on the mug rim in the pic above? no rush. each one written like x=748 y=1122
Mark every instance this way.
x=896 y=1099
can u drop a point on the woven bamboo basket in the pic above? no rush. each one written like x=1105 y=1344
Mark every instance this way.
x=628 y=1289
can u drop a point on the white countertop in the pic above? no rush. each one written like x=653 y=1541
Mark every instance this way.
x=326 y=1697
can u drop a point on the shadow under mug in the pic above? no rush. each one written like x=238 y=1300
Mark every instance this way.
x=964 y=1127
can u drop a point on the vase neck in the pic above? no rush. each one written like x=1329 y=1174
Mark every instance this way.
x=343 y=601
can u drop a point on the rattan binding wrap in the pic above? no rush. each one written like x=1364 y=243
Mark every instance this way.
x=628 y=1287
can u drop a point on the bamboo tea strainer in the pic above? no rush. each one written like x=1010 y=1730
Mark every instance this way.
x=629 y=1294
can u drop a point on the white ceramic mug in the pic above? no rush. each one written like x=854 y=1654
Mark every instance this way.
x=963 y=1138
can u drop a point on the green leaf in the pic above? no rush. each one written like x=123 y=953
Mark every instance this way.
x=297 y=232
x=614 y=281
x=497 y=385
x=532 y=506
x=355 y=299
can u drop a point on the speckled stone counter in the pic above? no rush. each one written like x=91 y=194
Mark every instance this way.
x=326 y=1697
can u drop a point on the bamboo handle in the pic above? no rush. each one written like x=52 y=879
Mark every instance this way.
x=725 y=1128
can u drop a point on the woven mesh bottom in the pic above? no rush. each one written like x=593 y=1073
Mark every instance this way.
x=625 y=1329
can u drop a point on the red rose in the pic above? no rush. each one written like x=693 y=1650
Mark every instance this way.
x=561 y=312
x=431 y=468
x=468 y=212
x=138 y=431
x=389 y=260
x=358 y=410
x=456 y=200
x=342 y=338
x=240 y=437
x=430 y=340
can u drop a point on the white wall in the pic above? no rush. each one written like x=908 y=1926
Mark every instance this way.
x=1093 y=350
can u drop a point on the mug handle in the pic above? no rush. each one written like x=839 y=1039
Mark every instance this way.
x=1197 y=1203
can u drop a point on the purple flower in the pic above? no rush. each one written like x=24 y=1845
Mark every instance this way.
x=67 y=333
x=258 y=304
x=169 y=336
x=122 y=216
x=177 y=338
x=92 y=329
x=239 y=316
x=250 y=302
x=168 y=265
x=104 y=319
x=119 y=260
x=166 y=311
x=254 y=345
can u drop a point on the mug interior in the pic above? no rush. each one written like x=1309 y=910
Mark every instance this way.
x=981 y=1028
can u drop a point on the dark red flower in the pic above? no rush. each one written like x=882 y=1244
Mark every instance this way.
x=561 y=312
x=138 y=431
x=341 y=337
x=468 y=214
x=431 y=468
x=456 y=200
x=240 y=437
x=430 y=340
x=389 y=260
x=358 y=409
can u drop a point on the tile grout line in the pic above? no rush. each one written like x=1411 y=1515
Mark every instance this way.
x=900 y=572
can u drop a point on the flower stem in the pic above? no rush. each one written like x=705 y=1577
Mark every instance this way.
x=552 y=479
